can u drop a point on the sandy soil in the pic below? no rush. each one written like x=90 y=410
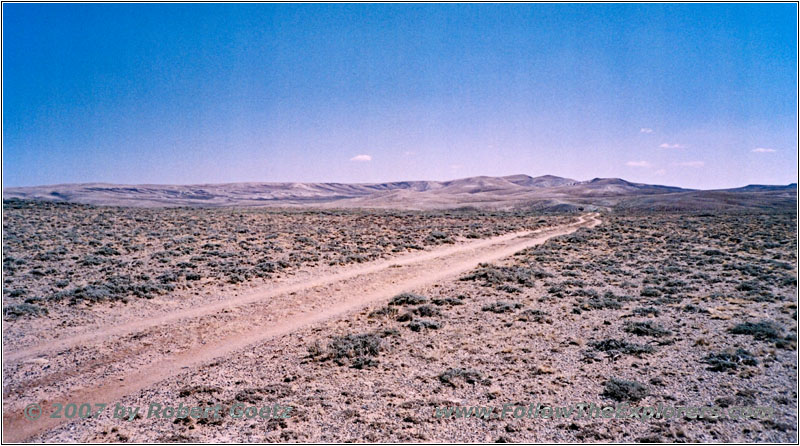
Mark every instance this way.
x=646 y=309
x=131 y=353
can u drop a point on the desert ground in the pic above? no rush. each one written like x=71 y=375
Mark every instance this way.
x=364 y=322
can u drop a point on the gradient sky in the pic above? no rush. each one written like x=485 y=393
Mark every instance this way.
x=701 y=96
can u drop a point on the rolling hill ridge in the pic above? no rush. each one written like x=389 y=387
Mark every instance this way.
x=483 y=192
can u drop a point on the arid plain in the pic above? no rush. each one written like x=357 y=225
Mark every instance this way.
x=366 y=320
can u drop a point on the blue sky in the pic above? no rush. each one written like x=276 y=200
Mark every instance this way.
x=693 y=95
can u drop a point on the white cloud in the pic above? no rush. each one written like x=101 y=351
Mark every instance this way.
x=638 y=164
x=691 y=164
x=408 y=153
x=456 y=166
x=660 y=172
x=763 y=150
x=361 y=158
x=646 y=130
x=672 y=146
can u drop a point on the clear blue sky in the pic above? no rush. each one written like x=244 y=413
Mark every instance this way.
x=701 y=96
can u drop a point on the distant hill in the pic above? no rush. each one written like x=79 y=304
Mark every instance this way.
x=542 y=181
x=510 y=192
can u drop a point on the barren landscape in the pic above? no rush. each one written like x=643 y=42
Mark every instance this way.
x=543 y=193
x=366 y=321
x=399 y=223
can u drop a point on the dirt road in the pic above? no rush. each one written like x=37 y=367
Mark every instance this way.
x=106 y=363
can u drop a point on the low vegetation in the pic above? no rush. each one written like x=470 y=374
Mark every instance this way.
x=624 y=390
x=59 y=253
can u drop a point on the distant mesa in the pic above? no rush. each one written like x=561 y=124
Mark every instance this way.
x=513 y=192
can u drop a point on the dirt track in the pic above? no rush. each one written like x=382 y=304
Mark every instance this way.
x=105 y=363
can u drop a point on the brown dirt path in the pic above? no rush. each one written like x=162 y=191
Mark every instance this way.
x=105 y=365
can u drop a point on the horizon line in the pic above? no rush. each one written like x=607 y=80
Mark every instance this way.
x=381 y=182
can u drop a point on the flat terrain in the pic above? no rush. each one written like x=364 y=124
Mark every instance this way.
x=75 y=262
x=442 y=309
x=158 y=334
